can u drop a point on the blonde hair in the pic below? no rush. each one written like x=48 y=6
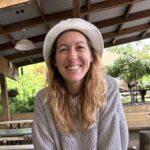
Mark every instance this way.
x=90 y=100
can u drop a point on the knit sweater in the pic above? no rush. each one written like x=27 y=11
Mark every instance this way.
x=110 y=131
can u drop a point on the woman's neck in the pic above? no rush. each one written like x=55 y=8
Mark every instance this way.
x=74 y=88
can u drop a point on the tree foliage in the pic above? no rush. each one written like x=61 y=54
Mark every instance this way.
x=28 y=84
x=129 y=67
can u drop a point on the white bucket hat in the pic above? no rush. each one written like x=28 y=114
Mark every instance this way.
x=85 y=27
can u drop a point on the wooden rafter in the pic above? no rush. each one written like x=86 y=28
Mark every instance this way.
x=41 y=10
x=9 y=3
x=145 y=32
x=88 y=5
x=36 y=60
x=128 y=10
x=106 y=5
x=127 y=40
x=76 y=8
x=26 y=54
x=8 y=35
x=120 y=19
x=105 y=35
x=129 y=30
x=68 y=14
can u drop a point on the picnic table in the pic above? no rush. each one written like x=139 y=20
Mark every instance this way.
x=11 y=123
x=15 y=134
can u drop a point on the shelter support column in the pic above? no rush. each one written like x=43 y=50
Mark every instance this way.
x=5 y=100
x=145 y=140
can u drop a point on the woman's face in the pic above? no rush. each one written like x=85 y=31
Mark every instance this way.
x=73 y=56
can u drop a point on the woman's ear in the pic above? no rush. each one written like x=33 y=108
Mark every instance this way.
x=55 y=64
x=92 y=56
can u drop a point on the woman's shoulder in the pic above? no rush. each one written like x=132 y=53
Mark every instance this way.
x=111 y=83
x=112 y=94
x=41 y=94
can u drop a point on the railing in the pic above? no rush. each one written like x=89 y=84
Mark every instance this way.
x=135 y=95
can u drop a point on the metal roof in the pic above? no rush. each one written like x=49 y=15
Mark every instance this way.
x=120 y=21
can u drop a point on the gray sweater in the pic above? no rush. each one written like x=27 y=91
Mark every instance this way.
x=110 y=131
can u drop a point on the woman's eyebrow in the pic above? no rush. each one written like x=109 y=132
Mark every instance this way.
x=80 y=42
x=58 y=46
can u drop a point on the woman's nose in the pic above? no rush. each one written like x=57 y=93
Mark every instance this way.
x=72 y=53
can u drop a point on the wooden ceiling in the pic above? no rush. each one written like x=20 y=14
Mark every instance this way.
x=120 y=21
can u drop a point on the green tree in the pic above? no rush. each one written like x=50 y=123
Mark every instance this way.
x=129 y=67
x=28 y=84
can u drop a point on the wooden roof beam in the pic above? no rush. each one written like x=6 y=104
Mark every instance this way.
x=68 y=14
x=8 y=68
x=8 y=3
x=8 y=35
x=76 y=8
x=127 y=40
x=88 y=5
x=26 y=54
x=106 y=5
x=40 y=7
x=144 y=32
x=120 y=20
x=105 y=36
x=127 y=12
x=129 y=30
x=24 y=63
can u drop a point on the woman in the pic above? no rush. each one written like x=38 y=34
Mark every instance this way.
x=80 y=109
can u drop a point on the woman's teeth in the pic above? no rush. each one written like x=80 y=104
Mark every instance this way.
x=73 y=67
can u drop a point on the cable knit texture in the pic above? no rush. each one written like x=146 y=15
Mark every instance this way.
x=110 y=131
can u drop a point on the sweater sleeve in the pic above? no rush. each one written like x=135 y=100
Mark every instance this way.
x=41 y=133
x=113 y=130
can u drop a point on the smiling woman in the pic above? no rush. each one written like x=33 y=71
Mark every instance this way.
x=80 y=109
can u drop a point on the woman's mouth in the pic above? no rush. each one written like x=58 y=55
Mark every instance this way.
x=75 y=67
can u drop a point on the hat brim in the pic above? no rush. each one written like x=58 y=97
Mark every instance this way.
x=88 y=29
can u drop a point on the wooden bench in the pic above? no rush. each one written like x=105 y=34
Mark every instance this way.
x=15 y=134
x=16 y=123
x=17 y=147
x=138 y=128
x=139 y=119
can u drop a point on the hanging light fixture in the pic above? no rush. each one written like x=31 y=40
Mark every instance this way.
x=24 y=44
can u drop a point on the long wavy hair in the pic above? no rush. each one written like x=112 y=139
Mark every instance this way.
x=90 y=100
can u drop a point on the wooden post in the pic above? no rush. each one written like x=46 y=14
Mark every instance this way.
x=8 y=69
x=5 y=101
x=145 y=140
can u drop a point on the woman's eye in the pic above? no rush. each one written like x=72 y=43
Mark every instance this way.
x=62 y=50
x=80 y=47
